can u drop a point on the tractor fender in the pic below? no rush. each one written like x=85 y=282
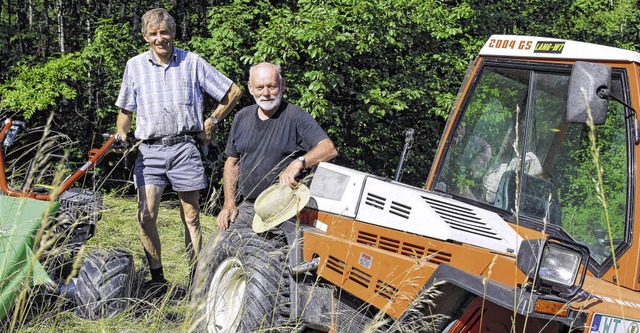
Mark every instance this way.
x=459 y=282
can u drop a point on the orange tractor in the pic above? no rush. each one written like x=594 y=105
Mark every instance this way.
x=527 y=221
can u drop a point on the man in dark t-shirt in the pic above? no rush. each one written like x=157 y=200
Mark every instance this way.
x=271 y=139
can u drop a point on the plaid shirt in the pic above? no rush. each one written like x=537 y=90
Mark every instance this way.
x=168 y=99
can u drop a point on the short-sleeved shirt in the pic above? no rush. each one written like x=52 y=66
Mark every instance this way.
x=167 y=99
x=265 y=147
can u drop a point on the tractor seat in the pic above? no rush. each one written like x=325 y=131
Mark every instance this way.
x=538 y=199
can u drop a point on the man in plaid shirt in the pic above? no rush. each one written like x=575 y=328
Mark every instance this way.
x=165 y=88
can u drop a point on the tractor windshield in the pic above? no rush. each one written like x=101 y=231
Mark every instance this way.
x=514 y=152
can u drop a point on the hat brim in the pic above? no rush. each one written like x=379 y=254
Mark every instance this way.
x=302 y=194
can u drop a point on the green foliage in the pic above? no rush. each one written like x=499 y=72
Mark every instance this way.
x=613 y=23
x=230 y=27
x=41 y=87
x=106 y=57
x=586 y=208
x=367 y=70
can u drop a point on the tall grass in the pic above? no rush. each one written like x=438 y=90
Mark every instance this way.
x=38 y=156
x=118 y=229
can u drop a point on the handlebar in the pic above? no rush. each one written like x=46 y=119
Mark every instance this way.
x=95 y=155
x=13 y=130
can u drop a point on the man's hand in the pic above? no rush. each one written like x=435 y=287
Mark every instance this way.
x=323 y=151
x=227 y=216
x=121 y=143
x=288 y=176
x=229 y=209
x=208 y=130
x=227 y=103
x=123 y=125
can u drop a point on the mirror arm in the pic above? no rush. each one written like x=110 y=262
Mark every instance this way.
x=633 y=113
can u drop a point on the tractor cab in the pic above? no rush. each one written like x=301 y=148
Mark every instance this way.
x=549 y=144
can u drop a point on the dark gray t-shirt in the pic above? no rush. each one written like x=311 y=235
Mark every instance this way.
x=266 y=147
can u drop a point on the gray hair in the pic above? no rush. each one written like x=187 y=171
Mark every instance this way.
x=278 y=70
x=158 y=16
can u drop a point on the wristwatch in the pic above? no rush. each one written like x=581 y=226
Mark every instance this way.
x=303 y=160
x=214 y=119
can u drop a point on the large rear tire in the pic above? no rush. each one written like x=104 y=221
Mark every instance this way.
x=237 y=284
x=104 y=284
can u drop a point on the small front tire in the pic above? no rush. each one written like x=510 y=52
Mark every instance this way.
x=104 y=284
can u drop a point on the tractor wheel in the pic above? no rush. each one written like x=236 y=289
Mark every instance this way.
x=238 y=283
x=104 y=284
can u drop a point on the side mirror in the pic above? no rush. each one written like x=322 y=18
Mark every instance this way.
x=589 y=89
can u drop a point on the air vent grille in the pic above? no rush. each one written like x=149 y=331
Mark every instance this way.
x=375 y=201
x=360 y=277
x=438 y=257
x=396 y=208
x=336 y=265
x=399 y=209
x=403 y=248
x=388 y=244
x=367 y=239
x=412 y=250
x=386 y=290
x=462 y=218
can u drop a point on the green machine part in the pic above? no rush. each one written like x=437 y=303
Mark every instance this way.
x=20 y=220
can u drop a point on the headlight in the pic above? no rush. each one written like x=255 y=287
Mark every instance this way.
x=559 y=266
x=553 y=265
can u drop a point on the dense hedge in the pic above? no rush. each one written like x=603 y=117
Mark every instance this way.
x=367 y=70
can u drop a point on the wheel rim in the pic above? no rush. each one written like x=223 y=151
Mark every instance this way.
x=225 y=297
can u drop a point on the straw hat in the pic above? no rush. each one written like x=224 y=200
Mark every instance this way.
x=277 y=204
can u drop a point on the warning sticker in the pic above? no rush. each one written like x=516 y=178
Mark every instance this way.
x=365 y=260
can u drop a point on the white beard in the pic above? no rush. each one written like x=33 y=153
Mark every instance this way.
x=269 y=105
